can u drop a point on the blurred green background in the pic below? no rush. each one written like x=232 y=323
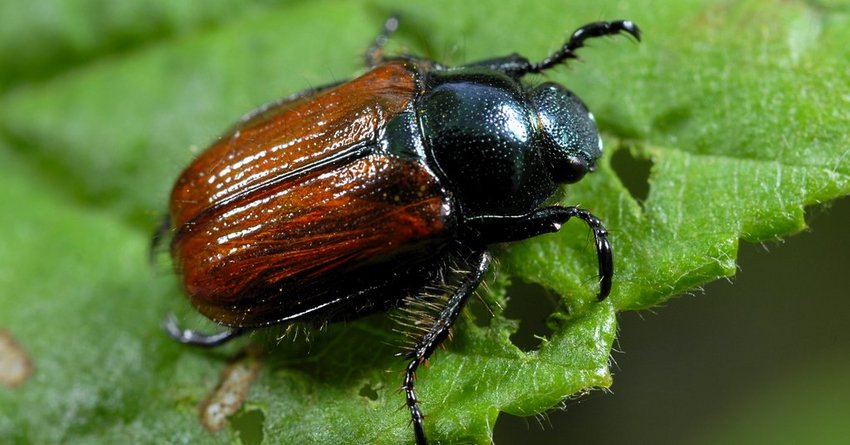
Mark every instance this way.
x=765 y=359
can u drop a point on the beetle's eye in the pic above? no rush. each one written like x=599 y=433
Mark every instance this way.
x=571 y=143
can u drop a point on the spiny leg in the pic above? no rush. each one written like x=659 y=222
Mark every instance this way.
x=435 y=336
x=604 y=251
x=187 y=336
x=589 y=31
x=375 y=52
x=195 y=338
x=491 y=229
x=518 y=66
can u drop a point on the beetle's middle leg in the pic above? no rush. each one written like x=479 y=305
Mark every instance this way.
x=436 y=334
x=491 y=229
x=375 y=53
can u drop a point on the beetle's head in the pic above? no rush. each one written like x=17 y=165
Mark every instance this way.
x=571 y=143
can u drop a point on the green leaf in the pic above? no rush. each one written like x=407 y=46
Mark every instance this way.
x=742 y=108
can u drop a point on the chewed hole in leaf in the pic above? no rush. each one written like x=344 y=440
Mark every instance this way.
x=227 y=398
x=633 y=172
x=368 y=391
x=248 y=425
x=532 y=305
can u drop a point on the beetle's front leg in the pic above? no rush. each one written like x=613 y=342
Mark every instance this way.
x=490 y=229
x=517 y=66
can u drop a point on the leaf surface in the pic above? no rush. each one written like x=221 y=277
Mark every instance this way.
x=742 y=109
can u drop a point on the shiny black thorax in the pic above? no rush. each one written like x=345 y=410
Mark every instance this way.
x=480 y=134
x=500 y=146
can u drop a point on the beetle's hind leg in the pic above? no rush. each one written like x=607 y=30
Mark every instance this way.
x=518 y=66
x=195 y=338
x=375 y=53
x=158 y=237
x=437 y=333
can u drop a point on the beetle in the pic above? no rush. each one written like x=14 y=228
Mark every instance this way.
x=352 y=198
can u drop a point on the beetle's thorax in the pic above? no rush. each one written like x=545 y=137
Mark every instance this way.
x=483 y=138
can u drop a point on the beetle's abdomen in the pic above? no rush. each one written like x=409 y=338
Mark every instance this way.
x=292 y=248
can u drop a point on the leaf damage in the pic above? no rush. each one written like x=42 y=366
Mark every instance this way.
x=15 y=363
x=230 y=393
